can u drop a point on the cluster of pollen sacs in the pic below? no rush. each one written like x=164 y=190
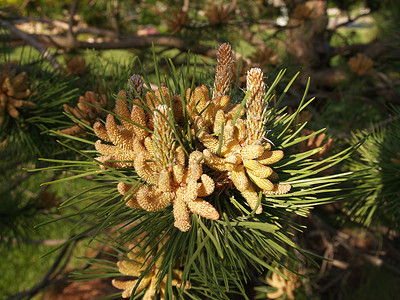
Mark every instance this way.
x=232 y=146
x=13 y=92
x=135 y=265
x=87 y=111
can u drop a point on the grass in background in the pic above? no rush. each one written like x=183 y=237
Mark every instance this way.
x=23 y=263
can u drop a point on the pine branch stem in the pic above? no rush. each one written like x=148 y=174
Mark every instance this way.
x=49 y=242
x=343 y=238
x=70 y=34
x=33 y=42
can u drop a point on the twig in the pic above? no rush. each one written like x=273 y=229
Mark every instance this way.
x=185 y=6
x=70 y=33
x=339 y=264
x=376 y=261
x=328 y=255
x=65 y=26
x=146 y=42
x=130 y=41
x=34 y=43
x=97 y=31
x=23 y=6
x=50 y=242
x=382 y=123
x=342 y=239
x=350 y=20
x=330 y=284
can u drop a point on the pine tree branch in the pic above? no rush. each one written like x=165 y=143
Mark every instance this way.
x=40 y=42
x=77 y=29
x=33 y=42
x=343 y=238
x=330 y=284
x=23 y=6
x=49 y=242
x=146 y=42
x=71 y=36
x=351 y=20
x=383 y=123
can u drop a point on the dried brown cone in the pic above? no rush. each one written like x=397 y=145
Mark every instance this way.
x=302 y=117
x=88 y=110
x=314 y=142
x=265 y=56
x=218 y=14
x=303 y=11
x=396 y=160
x=75 y=65
x=282 y=285
x=223 y=72
x=361 y=64
x=136 y=86
x=178 y=20
x=13 y=92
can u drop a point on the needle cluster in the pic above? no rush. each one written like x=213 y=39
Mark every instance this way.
x=231 y=145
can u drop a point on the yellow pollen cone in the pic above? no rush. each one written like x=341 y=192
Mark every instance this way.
x=271 y=157
x=262 y=183
x=257 y=169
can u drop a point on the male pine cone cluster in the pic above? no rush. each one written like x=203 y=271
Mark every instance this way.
x=13 y=92
x=135 y=265
x=87 y=111
x=232 y=146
